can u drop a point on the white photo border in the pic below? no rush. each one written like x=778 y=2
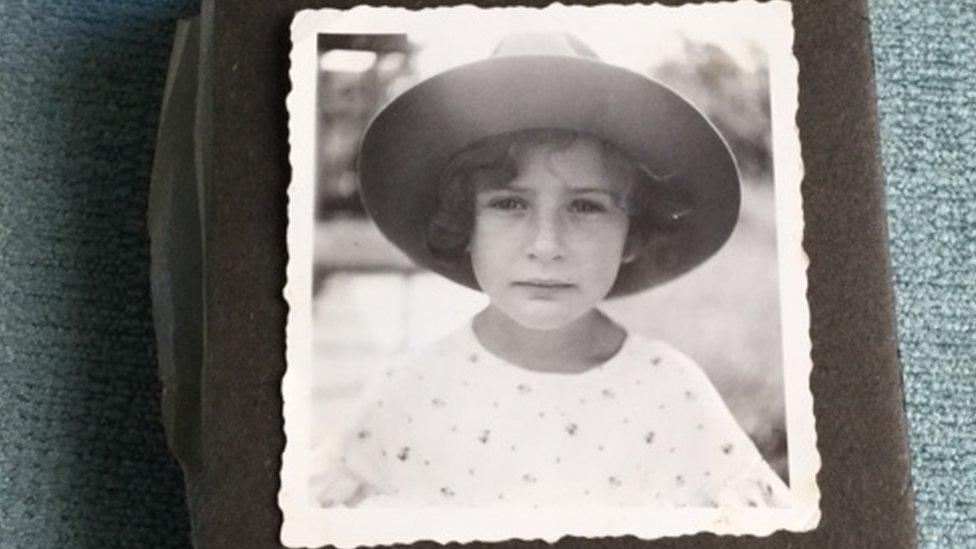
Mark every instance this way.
x=305 y=525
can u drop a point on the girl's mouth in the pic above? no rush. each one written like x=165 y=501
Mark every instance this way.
x=548 y=284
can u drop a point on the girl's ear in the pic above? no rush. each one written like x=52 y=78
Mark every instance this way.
x=643 y=243
x=632 y=248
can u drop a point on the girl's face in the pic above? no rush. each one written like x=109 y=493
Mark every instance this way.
x=547 y=247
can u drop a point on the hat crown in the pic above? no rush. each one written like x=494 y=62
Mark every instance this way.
x=543 y=43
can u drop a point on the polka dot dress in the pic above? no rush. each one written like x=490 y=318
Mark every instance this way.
x=457 y=426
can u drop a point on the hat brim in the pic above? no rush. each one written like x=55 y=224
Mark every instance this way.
x=409 y=142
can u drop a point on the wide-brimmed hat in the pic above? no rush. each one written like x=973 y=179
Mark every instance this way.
x=548 y=81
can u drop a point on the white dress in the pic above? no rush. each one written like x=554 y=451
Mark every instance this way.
x=455 y=425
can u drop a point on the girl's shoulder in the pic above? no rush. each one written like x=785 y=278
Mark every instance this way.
x=679 y=375
x=424 y=364
x=442 y=353
x=698 y=415
x=659 y=357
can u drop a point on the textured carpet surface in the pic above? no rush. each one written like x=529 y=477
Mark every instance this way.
x=82 y=454
x=925 y=63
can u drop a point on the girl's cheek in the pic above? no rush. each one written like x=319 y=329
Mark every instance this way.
x=494 y=232
x=494 y=226
x=598 y=227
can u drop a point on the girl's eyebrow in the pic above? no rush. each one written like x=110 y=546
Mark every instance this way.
x=587 y=190
x=502 y=188
x=576 y=190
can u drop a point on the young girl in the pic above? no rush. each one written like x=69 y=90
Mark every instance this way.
x=549 y=181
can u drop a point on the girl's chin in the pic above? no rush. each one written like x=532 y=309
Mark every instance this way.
x=543 y=318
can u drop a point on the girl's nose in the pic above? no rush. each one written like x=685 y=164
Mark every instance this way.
x=545 y=242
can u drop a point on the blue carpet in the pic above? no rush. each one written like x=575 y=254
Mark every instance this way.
x=82 y=453
x=925 y=60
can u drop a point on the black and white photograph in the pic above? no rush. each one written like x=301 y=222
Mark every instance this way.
x=546 y=276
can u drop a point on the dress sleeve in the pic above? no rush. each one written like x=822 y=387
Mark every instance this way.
x=755 y=484
x=356 y=468
x=741 y=475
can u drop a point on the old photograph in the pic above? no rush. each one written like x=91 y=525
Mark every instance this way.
x=545 y=276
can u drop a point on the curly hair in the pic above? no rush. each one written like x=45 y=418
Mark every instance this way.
x=653 y=205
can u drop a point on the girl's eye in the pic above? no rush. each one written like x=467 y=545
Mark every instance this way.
x=586 y=206
x=506 y=203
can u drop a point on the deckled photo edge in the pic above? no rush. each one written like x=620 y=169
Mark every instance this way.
x=304 y=525
x=793 y=263
x=293 y=492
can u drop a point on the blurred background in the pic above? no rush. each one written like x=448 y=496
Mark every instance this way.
x=371 y=303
